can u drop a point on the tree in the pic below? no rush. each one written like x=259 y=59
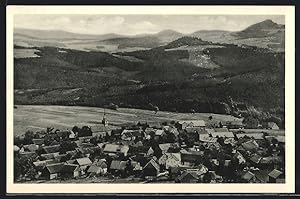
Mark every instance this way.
x=67 y=145
x=85 y=131
x=251 y=122
x=29 y=135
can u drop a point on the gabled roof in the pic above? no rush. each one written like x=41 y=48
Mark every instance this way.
x=189 y=175
x=70 y=168
x=280 y=138
x=255 y=158
x=152 y=164
x=84 y=161
x=38 y=141
x=272 y=125
x=176 y=156
x=165 y=147
x=51 y=149
x=275 y=173
x=59 y=157
x=114 y=148
x=222 y=134
x=221 y=129
x=200 y=123
x=94 y=169
x=100 y=163
x=235 y=123
x=248 y=176
x=31 y=147
x=43 y=163
x=256 y=136
x=209 y=130
x=50 y=155
x=118 y=165
x=250 y=145
x=159 y=132
x=207 y=138
x=54 y=168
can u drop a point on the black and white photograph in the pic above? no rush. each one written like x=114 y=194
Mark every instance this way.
x=149 y=98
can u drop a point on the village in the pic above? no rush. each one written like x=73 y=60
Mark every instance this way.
x=185 y=151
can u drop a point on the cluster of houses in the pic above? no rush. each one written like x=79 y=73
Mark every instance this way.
x=189 y=151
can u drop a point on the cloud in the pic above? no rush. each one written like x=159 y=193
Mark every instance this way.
x=137 y=24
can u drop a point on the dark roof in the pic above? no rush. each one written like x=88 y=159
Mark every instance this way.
x=51 y=149
x=152 y=163
x=275 y=173
x=187 y=174
x=54 y=168
x=248 y=176
x=70 y=168
x=255 y=158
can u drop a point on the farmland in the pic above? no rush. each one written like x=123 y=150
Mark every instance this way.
x=36 y=118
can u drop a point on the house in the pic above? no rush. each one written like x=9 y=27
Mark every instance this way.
x=236 y=124
x=159 y=133
x=174 y=131
x=256 y=136
x=72 y=135
x=208 y=131
x=28 y=154
x=145 y=151
x=136 y=167
x=130 y=134
x=59 y=157
x=62 y=134
x=70 y=171
x=190 y=123
x=231 y=141
x=170 y=160
x=38 y=142
x=225 y=134
x=280 y=138
x=187 y=177
x=250 y=145
x=239 y=157
x=31 y=147
x=116 y=149
x=49 y=156
x=99 y=166
x=83 y=163
x=40 y=165
x=276 y=176
x=51 y=149
x=221 y=130
x=207 y=139
x=85 y=138
x=189 y=158
x=152 y=168
x=255 y=159
x=272 y=125
x=52 y=171
x=16 y=148
x=118 y=166
x=165 y=147
x=248 y=177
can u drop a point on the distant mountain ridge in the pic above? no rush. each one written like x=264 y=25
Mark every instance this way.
x=267 y=34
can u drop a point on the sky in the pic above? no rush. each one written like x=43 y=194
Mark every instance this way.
x=139 y=24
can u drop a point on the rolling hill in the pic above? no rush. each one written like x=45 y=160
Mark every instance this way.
x=186 y=74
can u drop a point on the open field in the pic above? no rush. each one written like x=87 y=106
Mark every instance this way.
x=33 y=117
